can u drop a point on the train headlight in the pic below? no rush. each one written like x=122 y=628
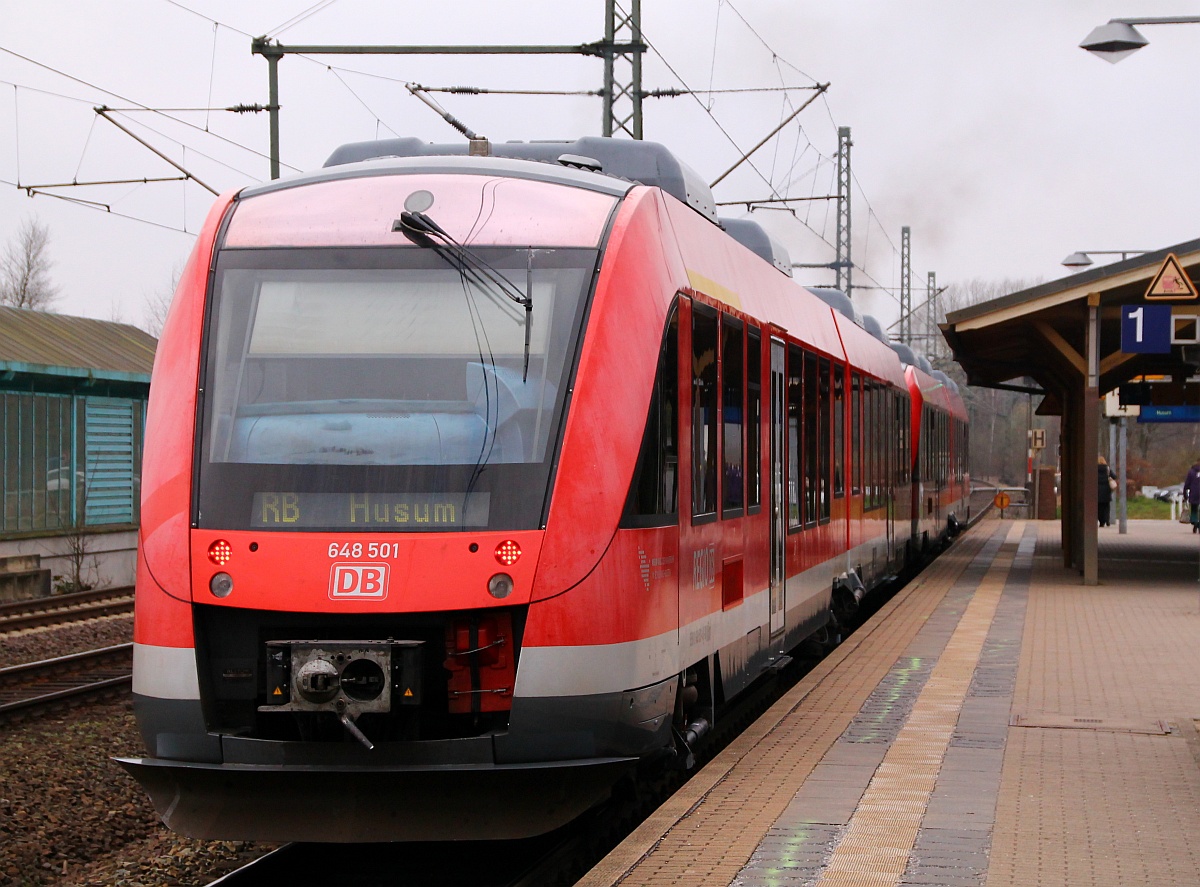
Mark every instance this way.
x=221 y=585
x=500 y=585
x=508 y=552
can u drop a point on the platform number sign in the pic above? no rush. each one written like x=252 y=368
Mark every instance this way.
x=1146 y=329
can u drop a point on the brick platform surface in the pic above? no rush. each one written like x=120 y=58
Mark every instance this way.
x=996 y=723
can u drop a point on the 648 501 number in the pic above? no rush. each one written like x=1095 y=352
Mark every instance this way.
x=370 y=549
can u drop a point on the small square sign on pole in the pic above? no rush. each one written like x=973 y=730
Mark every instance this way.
x=1146 y=329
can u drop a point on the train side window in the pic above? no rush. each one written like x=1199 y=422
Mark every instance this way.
x=926 y=445
x=893 y=448
x=839 y=431
x=945 y=454
x=871 y=429
x=704 y=411
x=960 y=451
x=733 y=498
x=855 y=434
x=754 y=358
x=812 y=434
x=796 y=421
x=654 y=494
x=941 y=451
x=881 y=443
x=824 y=437
x=898 y=438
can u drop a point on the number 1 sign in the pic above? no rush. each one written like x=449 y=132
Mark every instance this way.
x=1146 y=329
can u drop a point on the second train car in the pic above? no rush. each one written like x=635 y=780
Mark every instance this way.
x=472 y=481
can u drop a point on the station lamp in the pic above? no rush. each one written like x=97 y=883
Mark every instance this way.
x=1119 y=38
x=1083 y=259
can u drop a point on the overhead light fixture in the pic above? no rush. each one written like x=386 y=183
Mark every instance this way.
x=1119 y=38
x=1114 y=41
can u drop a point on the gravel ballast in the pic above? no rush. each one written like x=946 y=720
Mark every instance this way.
x=70 y=815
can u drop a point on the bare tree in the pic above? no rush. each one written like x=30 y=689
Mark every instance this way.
x=25 y=268
x=979 y=289
x=158 y=303
x=999 y=419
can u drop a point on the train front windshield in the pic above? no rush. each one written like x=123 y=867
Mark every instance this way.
x=364 y=389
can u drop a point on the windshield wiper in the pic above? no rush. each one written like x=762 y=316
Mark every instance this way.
x=425 y=232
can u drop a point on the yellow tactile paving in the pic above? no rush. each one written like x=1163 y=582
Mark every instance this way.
x=881 y=834
x=705 y=833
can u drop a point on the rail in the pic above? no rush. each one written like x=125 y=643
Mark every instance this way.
x=32 y=686
x=61 y=608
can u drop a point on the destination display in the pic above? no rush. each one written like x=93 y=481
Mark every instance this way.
x=370 y=511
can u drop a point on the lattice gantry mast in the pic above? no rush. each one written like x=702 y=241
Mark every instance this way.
x=844 y=262
x=906 y=308
x=623 y=50
x=931 y=317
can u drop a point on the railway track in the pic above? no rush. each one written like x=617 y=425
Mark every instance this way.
x=62 y=608
x=533 y=862
x=34 y=687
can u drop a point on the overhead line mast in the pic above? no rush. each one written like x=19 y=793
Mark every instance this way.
x=618 y=116
x=906 y=333
x=844 y=262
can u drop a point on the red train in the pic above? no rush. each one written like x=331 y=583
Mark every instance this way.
x=471 y=481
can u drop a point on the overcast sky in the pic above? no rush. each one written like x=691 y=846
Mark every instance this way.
x=981 y=125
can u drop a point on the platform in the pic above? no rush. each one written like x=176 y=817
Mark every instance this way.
x=996 y=723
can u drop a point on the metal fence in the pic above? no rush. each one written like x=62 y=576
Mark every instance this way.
x=69 y=461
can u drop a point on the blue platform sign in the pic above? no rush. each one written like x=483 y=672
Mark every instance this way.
x=1179 y=413
x=1146 y=329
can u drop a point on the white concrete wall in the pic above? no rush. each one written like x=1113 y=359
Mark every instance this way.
x=111 y=558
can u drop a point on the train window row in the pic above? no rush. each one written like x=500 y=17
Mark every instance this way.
x=725 y=363
x=944 y=459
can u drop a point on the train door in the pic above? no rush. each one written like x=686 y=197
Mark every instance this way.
x=778 y=502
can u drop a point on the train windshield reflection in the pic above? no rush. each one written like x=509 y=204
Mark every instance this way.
x=328 y=360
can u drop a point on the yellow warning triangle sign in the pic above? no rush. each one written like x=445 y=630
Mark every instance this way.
x=408 y=692
x=278 y=692
x=1171 y=283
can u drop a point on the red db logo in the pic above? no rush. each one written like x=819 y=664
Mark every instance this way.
x=358 y=581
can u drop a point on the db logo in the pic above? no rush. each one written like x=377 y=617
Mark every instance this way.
x=358 y=581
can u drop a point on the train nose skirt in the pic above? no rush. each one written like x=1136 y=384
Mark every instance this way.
x=355 y=804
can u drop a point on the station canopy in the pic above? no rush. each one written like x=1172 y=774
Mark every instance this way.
x=1041 y=333
x=1073 y=340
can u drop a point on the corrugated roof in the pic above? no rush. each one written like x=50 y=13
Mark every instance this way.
x=37 y=338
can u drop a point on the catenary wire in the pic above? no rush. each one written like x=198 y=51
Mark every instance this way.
x=139 y=104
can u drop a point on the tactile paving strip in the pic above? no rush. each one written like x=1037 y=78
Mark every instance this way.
x=707 y=832
x=880 y=836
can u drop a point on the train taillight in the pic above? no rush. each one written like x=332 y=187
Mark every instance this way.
x=508 y=552
x=220 y=552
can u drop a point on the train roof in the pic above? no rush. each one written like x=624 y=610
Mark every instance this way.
x=508 y=167
x=937 y=392
x=755 y=238
x=874 y=327
x=840 y=302
x=647 y=163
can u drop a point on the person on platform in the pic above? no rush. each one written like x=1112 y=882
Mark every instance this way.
x=1191 y=494
x=1106 y=482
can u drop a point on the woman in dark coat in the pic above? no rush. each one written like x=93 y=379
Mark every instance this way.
x=1104 y=491
x=1191 y=494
